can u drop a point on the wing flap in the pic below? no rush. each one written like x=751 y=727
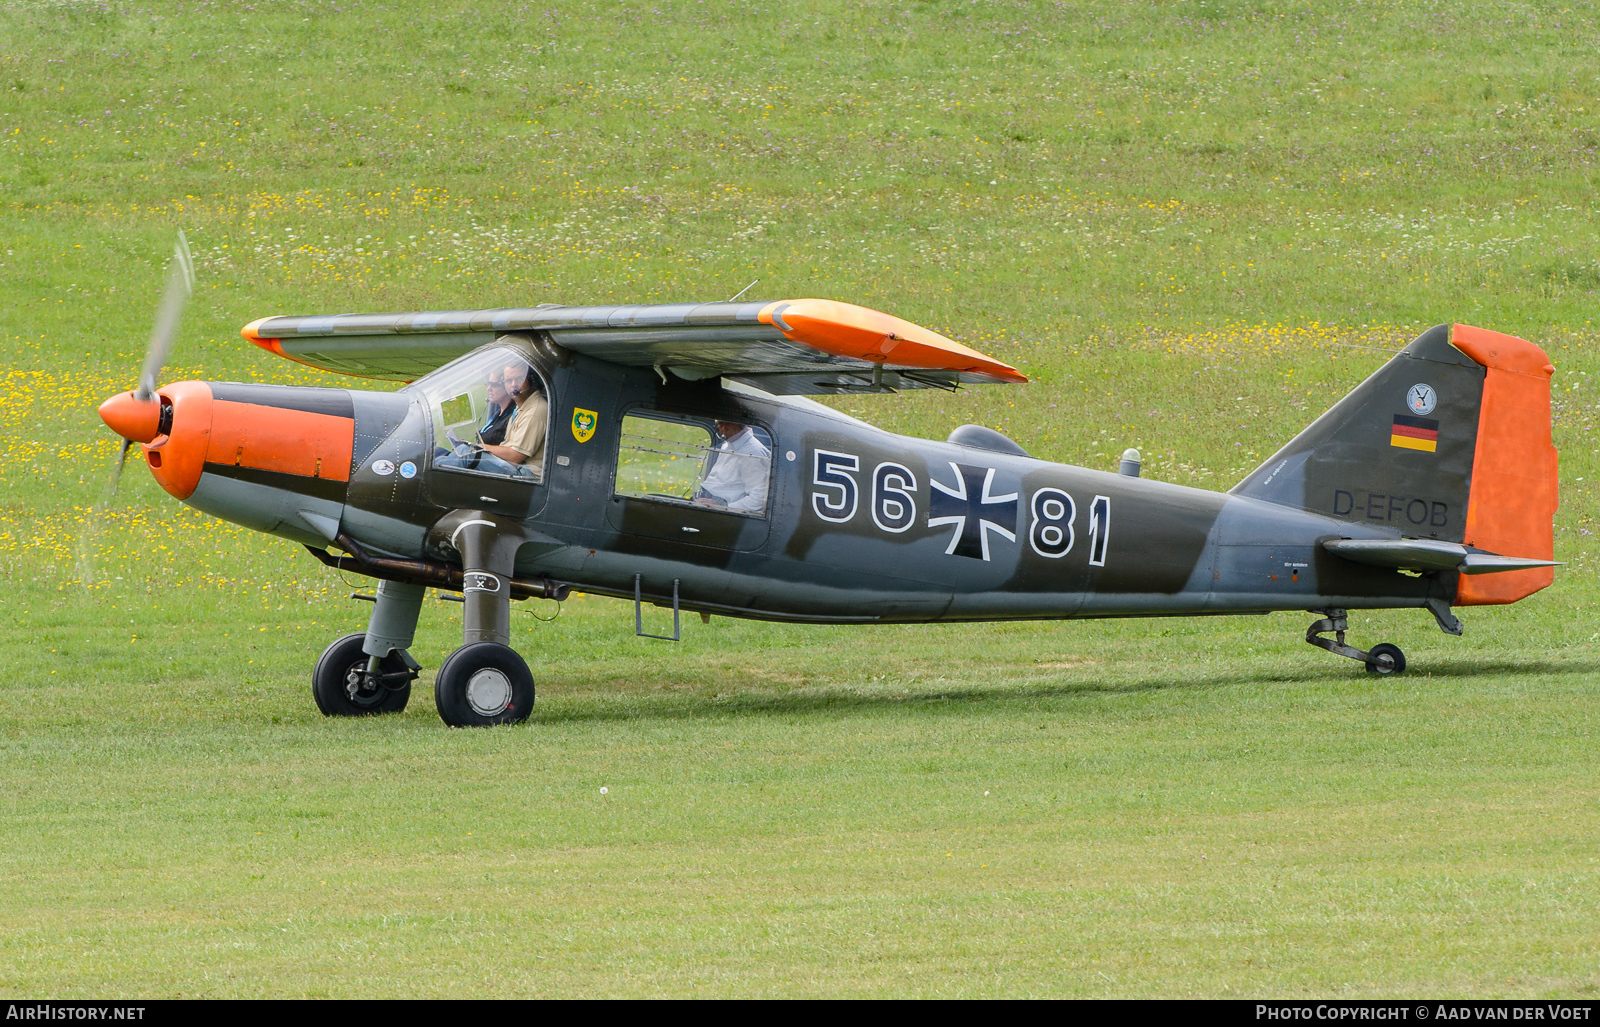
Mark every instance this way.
x=793 y=347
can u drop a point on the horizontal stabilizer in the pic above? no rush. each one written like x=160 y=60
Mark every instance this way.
x=1488 y=563
x=1427 y=555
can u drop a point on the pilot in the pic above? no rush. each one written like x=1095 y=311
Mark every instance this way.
x=465 y=454
x=493 y=431
x=522 y=453
x=736 y=476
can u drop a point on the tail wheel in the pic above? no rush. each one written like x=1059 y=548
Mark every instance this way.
x=483 y=684
x=343 y=688
x=1386 y=659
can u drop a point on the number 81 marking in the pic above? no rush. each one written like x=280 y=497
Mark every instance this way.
x=1051 y=535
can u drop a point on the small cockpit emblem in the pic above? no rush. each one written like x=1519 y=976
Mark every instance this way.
x=1421 y=399
x=583 y=423
x=383 y=467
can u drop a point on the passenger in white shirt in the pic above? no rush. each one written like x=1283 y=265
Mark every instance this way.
x=736 y=476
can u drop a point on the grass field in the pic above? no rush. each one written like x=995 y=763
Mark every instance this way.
x=1194 y=224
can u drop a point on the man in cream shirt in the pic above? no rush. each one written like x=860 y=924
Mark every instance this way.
x=523 y=451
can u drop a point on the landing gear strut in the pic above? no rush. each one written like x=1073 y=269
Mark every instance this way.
x=483 y=683
x=1383 y=658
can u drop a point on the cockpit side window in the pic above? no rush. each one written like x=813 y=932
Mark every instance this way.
x=491 y=414
x=721 y=465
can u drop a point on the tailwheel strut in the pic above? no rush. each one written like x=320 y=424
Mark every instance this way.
x=1383 y=658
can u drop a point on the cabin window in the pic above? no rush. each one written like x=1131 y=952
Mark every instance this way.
x=491 y=414
x=721 y=465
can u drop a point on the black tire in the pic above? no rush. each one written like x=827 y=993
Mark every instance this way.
x=330 y=681
x=1391 y=651
x=483 y=684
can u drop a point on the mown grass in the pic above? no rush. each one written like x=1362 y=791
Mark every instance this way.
x=1194 y=224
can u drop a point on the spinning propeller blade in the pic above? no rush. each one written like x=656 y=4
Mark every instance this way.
x=180 y=283
x=136 y=416
x=116 y=470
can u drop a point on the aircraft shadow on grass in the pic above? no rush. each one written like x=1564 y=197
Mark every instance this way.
x=1537 y=668
x=964 y=699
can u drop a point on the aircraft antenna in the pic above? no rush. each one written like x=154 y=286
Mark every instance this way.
x=741 y=292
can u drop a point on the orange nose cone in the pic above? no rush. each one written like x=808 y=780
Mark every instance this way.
x=131 y=417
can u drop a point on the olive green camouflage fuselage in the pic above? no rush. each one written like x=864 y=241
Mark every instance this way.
x=861 y=525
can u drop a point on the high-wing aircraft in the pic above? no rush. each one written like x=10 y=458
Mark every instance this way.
x=668 y=455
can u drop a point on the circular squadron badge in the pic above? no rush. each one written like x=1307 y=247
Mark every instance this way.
x=1421 y=399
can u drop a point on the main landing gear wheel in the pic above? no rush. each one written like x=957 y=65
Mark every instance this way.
x=343 y=688
x=483 y=684
x=1386 y=659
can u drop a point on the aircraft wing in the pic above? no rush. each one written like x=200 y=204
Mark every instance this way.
x=1427 y=555
x=784 y=347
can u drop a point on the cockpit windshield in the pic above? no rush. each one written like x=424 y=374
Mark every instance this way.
x=490 y=414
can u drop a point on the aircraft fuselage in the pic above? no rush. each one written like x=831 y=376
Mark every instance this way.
x=861 y=525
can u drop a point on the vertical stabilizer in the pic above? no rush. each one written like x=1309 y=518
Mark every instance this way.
x=1449 y=440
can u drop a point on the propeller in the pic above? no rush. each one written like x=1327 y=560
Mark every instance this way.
x=136 y=415
x=143 y=419
x=180 y=283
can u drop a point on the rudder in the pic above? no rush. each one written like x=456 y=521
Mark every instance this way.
x=1515 y=488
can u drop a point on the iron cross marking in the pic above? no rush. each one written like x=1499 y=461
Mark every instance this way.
x=973 y=509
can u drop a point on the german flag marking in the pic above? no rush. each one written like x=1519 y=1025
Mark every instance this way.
x=1415 y=433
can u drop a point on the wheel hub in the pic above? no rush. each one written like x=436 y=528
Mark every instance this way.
x=359 y=687
x=488 y=692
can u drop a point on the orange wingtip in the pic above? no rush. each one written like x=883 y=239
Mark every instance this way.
x=252 y=331
x=846 y=330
